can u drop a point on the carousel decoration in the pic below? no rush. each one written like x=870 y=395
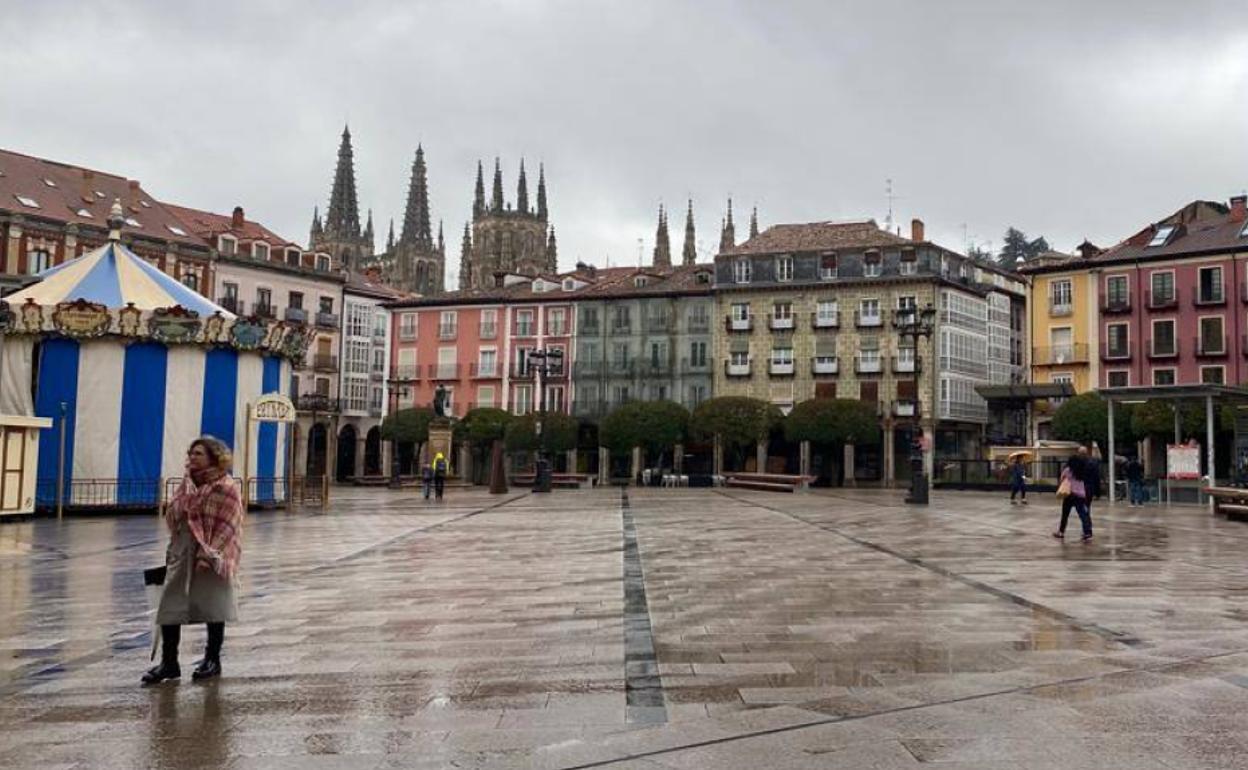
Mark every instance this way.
x=81 y=319
x=173 y=325
x=129 y=320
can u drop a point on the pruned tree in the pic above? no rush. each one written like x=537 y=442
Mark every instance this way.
x=559 y=433
x=1085 y=418
x=833 y=422
x=408 y=426
x=738 y=421
x=481 y=427
x=655 y=426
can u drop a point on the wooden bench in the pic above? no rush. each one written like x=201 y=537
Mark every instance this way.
x=561 y=480
x=1229 y=501
x=767 y=482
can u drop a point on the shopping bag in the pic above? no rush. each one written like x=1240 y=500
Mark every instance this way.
x=154 y=583
x=1063 y=489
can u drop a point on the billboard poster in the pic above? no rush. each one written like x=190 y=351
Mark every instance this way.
x=1183 y=461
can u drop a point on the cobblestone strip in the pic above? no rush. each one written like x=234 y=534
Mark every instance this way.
x=643 y=687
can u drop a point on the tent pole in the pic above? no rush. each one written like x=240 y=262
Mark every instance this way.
x=60 y=466
x=1112 y=475
x=1209 y=465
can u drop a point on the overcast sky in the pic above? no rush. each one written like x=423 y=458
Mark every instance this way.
x=1065 y=119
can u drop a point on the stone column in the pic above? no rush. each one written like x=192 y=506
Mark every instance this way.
x=604 y=465
x=635 y=469
x=301 y=449
x=361 y=444
x=803 y=455
x=678 y=459
x=572 y=460
x=890 y=456
x=929 y=456
x=848 y=460
x=11 y=253
x=464 y=466
x=718 y=455
x=760 y=457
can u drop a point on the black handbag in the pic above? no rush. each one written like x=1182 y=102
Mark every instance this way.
x=155 y=576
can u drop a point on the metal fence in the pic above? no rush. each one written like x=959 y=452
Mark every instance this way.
x=994 y=474
x=151 y=494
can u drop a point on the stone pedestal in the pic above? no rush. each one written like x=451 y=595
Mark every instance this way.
x=803 y=462
x=464 y=469
x=572 y=460
x=440 y=441
x=760 y=457
x=604 y=466
x=678 y=459
x=850 y=481
x=635 y=470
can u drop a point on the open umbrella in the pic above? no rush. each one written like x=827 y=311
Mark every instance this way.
x=1023 y=453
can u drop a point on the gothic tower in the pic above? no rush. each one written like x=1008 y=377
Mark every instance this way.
x=689 y=254
x=728 y=236
x=754 y=223
x=503 y=238
x=340 y=234
x=418 y=262
x=662 y=243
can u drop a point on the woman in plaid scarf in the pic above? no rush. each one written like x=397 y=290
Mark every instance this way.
x=205 y=520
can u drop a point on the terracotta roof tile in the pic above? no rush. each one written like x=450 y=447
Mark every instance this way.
x=209 y=225
x=817 y=236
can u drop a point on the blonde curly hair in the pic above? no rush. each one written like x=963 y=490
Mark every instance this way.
x=217 y=450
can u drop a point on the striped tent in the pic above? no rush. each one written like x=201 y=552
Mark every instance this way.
x=132 y=404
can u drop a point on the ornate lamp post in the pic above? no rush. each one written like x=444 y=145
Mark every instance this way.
x=913 y=324
x=543 y=363
x=397 y=391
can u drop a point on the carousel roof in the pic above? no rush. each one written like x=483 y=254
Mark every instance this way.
x=113 y=276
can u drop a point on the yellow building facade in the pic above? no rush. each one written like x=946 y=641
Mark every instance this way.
x=1062 y=317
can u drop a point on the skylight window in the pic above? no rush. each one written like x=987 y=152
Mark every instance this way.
x=1162 y=235
x=49 y=183
x=133 y=222
x=176 y=230
x=99 y=195
x=145 y=204
x=84 y=214
x=27 y=202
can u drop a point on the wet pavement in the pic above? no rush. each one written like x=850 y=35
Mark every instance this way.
x=657 y=629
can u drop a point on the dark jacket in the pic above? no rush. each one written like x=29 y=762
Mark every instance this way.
x=1017 y=472
x=1092 y=478
x=1135 y=470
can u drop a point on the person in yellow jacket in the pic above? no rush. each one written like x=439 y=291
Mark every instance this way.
x=439 y=474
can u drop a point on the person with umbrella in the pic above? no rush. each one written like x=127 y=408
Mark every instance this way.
x=1018 y=477
x=205 y=520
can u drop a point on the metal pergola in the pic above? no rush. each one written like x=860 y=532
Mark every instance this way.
x=1143 y=393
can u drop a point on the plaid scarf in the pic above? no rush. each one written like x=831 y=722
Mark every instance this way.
x=213 y=511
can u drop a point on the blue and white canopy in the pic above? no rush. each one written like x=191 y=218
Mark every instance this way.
x=113 y=276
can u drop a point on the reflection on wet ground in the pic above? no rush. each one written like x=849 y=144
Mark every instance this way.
x=742 y=630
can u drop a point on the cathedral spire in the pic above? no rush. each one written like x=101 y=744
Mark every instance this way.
x=728 y=237
x=416 y=223
x=662 y=244
x=541 y=191
x=316 y=226
x=552 y=252
x=522 y=192
x=478 y=198
x=754 y=223
x=465 y=255
x=496 y=200
x=689 y=255
x=390 y=238
x=369 y=239
x=441 y=241
x=343 y=216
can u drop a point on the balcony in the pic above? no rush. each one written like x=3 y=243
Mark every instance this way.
x=1060 y=307
x=490 y=371
x=694 y=366
x=699 y=324
x=327 y=320
x=408 y=373
x=825 y=320
x=737 y=370
x=621 y=329
x=296 y=315
x=1210 y=297
x=323 y=362
x=822 y=365
x=1115 y=352
x=521 y=371
x=905 y=364
x=590 y=408
x=1162 y=351
x=588 y=368
x=905 y=407
x=1161 y=300
x=407 y=333
x=522 y=330
x=780 y=367
x=263 y=311
x=374 y=410
x=657 y=324
x=1213 y=347
x=232 y=304
x=557 y=330
x=1115 y=303
x=656 y=369
x=379 y=335
x=447 y=331
x=870 y=365
x=867 y=321
x=1059 y=355
x=622 y=368
x=377 y=375
x=781 y=322
x=734 y=324
x=487 y=331
x=317 y=402
x=443 y=371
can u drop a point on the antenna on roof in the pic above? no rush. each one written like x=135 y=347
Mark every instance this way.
x=888 y=191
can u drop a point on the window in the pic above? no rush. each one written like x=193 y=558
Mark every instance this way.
x=699 y=318
x=784 y=268
x=907 y=303
x=226 y=244
x=357 y=319
x=1061 y=341
x=826 y=313
x=639 y=281
x=1116 y=341
x=38 y=260
x=742 y=271
x=485 y=396
x=379 y=361
x=782 y=357
x=741 y=311
x=190 y=280
x=524 y=399
x=1209 y=290
x=739 y=358
x=1061 y=378
x=1162 y=288
x=448 y=365
x=524 y=323
x=697 y=354
x=406 y=364
x=871 y=265
x=1116 y=292
x=869 y=312
x=1212 y=375
x=264 y=301
x=908 y=267
x=558 y=322
x=697 y=394
x=589 y=319
x=448 y=324
x=488 y=362
x=407 y=326
x=1163 y=338
x=260 y=250
x=327 y=305
x=1212 y=339
x=296 y=300
x=622 y=321
x=489 y=324
x=1118 y=379
x=620 y=394
x=827 y=266
x=783 y=311
x=1061 y=297
x=322 y=262
x=1163 y=376
x=1161 y=235
x=231 y=295
x=292 y=257
x=554 y=398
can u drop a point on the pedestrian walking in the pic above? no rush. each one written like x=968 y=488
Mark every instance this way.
x=1092 y=474
x=426 y=478
x=1074 y=493
x=205 y=521
x=1135 y=481
x=439 y=474
x=1018 y=480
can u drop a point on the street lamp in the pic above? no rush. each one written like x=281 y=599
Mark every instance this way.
x=542 y=363
x=397 y=390
x=912 y=323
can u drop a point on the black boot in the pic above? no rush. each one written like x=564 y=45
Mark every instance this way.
x=210 y=666
x=168 y=668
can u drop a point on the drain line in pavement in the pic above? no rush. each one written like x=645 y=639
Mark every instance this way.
x=643 y=687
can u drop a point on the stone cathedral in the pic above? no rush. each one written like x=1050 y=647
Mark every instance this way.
x=507 y=239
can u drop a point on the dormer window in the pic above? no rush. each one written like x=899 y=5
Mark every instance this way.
x=1162 y=235
x=322 y=262
x=260 y=250
x=784 y=268
x=145 y=204
x=227 y=244
x=702 y=277
x=872 y=266
x=1243 y=233
x=99 y=195
x=569 y=284
x=742 y=271
x=29 y=203
x=292 y=257
x=827 y=266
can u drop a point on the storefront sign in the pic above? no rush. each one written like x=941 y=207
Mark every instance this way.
x=273 y=407
x=1183 y=461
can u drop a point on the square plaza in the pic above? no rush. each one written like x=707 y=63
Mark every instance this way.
x=645 y=628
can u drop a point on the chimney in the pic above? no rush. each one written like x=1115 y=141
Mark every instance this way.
x=1239 y=208
x=916 y=230
x=132 y=200
x=236 y=219
x=88 y=182
x=499 y=278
